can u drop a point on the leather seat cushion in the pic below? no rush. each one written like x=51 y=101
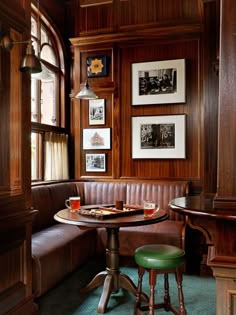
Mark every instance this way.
x=60 y=248
x=159 y=256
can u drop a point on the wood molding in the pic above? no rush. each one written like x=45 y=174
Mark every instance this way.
x=220 y=260
x=13 y=17
x=90 y=3
x=224 y=202
x=194 y=224
x=144 y=33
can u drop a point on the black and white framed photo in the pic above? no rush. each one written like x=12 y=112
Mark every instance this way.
x=97 y=112
x=159 y=137
x=95 y=162
x=158 y=82
x=96 y=138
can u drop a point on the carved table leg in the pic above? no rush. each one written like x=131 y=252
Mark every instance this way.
x=112 y=279
x=96 y=282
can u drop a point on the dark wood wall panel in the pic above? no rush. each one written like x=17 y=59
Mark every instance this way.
x=153 y=30
x=134 y=12
x=11 y=262
x=210 y=96
x=56 y=10
x=168 y=168
x=15 y=214
x=96 y=19
x=96 y=16
x=4 y=114
x=104 y=87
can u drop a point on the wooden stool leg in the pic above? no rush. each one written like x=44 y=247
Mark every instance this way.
x=152 y=283
x=138 y=297
x=167 y=293
x=179 y=279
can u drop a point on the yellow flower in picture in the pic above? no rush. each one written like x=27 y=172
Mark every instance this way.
x=96 y=66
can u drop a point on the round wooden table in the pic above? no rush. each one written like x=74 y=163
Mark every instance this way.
x=111 y=279
x=219 y=228
x=202 y=207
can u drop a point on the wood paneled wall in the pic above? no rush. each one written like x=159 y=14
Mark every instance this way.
x=162 y=168
x=131 y=31
x=15 y=213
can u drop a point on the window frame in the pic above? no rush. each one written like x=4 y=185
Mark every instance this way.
x=57 y=44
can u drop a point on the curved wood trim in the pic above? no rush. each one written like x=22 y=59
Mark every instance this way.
x=202 y=229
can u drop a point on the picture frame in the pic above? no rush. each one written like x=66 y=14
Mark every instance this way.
x=159 y=82
x=97 y=112
x=96 y=138
x=97 y=66
x=159 y=137
x=95 y=162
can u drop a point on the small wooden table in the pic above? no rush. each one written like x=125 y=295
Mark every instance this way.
x=112 y=279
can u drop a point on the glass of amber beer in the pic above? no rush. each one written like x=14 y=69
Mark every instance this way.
x=73 y=203
x=150 y=208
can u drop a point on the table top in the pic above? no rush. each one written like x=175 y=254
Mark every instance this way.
x=201 y=206
x=65 y=216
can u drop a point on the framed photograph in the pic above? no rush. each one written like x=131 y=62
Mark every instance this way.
x=158 y=82
x=95 y=162
x=159 y=137
x=98 y=138
x=97 y=112
x=97 y=66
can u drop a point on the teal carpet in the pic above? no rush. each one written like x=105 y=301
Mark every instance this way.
x=65 y=299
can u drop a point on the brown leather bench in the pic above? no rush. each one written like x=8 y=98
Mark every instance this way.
x=58 y=249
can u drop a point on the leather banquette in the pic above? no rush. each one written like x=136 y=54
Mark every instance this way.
x=58 y=249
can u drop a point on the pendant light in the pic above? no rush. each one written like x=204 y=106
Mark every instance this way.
x=86 y=93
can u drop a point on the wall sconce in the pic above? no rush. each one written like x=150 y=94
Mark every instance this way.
x=30 y=63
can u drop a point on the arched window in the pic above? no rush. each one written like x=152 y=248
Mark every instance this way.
x=49 y=159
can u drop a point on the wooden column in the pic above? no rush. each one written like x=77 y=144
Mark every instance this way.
x=226 y=171
x=224 y=266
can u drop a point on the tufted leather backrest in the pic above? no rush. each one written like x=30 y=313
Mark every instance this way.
x=60 y=192
x=160 y=191
x=104 y=192
x=48 y=199
x=41 y=201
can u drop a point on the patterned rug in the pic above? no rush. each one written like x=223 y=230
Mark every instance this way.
x=65 y=299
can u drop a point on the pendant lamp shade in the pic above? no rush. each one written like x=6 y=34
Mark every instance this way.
x=86 y=93
x=30 y=63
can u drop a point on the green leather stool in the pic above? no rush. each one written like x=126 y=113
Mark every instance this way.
x=160 y=259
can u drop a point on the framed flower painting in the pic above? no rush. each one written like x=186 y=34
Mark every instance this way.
x=97 y=66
